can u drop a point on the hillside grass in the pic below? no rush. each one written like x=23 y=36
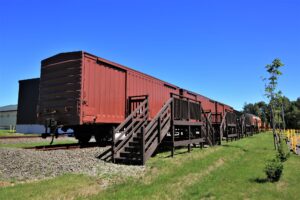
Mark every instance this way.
x=231 y=171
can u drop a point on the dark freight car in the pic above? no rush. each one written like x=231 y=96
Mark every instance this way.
x=27 y=107
x=27 y=101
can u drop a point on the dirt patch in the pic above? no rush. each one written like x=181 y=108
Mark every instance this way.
x=4 y=184
x=281 y=185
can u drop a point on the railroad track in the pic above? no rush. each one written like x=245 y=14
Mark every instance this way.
x=18 y=137
x=63 y=146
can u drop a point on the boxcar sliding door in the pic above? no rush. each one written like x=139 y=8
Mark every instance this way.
x=103 y=92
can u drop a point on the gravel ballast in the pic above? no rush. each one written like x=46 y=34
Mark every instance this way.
x=25 y=165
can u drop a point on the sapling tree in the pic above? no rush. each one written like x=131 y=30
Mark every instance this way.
x=272 y=92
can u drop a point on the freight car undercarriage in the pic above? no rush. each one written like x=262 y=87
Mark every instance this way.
x=83 y=133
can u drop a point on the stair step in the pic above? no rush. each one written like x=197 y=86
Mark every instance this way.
x=130 y=154
x=135 y=143
x=128 y=161
x=132 y=149
x=137 y=139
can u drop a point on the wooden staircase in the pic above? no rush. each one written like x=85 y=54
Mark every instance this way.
x=136 y=139
x=126 y=143
x=125 y=138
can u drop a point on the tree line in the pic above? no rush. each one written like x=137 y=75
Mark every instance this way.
x=291 y=112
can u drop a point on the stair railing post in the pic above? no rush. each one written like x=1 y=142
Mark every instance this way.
x=113 y=145
x=158 y=129
x=172 y=126
x=143 y=145
x=206 y=128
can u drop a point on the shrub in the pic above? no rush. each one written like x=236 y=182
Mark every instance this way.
x=283 y=152
x=273 y=170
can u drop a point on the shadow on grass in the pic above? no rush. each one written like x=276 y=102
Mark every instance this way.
x=234 y=146
x=259 y=180
x=178 y=150
x=176 y=153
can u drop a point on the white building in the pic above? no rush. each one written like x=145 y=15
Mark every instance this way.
x=8 y=116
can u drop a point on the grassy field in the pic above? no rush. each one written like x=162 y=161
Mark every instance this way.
x=231 y=171
x=40 y=143
x=4 y=133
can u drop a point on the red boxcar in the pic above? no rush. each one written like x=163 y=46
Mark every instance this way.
x=78 y=88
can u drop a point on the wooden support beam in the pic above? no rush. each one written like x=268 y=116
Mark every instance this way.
x=187 y=123
x=113 y=146
x=189 y=145
x=172 y=128
x=187 y=142
x=158 y=129
x=143 y=145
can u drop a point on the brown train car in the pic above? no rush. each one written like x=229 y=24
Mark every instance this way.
x=254 y=121
x=208 y=104
x=79 y=90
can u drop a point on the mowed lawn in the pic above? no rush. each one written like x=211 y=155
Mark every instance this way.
x=231 y=171
x=5 y=133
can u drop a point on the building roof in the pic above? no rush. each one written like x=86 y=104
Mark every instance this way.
x=9 y=108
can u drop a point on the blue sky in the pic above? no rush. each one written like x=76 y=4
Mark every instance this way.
x=215 y=48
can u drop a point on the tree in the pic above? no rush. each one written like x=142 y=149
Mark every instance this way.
x=272 y=93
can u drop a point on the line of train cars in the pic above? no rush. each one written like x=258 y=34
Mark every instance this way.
x=89 y=94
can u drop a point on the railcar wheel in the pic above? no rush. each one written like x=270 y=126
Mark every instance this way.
x=84 y=138
x=99 y=139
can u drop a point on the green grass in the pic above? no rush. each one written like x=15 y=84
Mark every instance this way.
x=5 y=133
x=231 y=171
x=34 y=144
x=62 y=187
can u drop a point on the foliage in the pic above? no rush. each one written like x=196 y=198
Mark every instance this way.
x=283 y=152
x=274 y=72
x=271 y=89
x=274 y=169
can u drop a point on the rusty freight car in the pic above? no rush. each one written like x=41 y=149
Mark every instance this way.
x=92 y=95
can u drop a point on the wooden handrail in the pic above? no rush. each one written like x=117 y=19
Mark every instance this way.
x=223 y=126
x=144 y=112
x=153 y=132
x=131 y=128
x=209 y=130
x=131 y=116
x=158 y=114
